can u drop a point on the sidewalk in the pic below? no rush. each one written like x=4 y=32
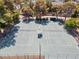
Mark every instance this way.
x=23 y=57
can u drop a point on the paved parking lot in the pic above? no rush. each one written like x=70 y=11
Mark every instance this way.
x=55 y=43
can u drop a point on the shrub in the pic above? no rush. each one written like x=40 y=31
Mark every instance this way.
x=69 y=24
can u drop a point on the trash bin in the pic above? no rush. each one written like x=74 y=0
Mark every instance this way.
x=40 y=35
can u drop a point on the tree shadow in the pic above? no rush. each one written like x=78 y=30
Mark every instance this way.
x=8 y=40
x=27 y=20
x=53 y=19
x=60 y=21
x=43 y=21
x=16 y=22
x=71 y=32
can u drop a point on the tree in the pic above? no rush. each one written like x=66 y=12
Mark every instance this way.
x=67 y=0
x=69 y=8
x=8 y=18
x=2 y=10
x=55 y=10
x=7 y=15
x=75 y=14
x=17 y=1
x=77 y=7
x=40 y=8
x=2 y=23
x=49 y=6
x=1 y=2
x=27 y=12
x=8 y=5
x=15 y=17
x=77 y=22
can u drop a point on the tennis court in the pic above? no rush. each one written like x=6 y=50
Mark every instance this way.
x=55 y=43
